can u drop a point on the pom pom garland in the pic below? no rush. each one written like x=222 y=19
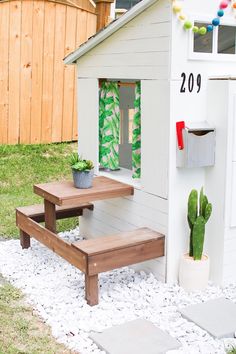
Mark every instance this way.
x=188 y=25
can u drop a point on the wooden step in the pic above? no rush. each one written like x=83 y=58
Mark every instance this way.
x=36 y=212
x=110 y=252
x=118 y=241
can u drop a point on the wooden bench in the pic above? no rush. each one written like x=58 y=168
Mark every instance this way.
x=36 y=213
x=110 y=252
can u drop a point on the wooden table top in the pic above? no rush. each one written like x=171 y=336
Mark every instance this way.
x=64 y=193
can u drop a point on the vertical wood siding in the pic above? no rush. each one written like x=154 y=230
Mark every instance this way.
x=37 y=91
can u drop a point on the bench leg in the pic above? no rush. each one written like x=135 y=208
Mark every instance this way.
x=91 y=289
x=24 y=239
x=50 y=215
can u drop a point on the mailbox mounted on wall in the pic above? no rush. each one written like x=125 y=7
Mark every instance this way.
x=198 y=145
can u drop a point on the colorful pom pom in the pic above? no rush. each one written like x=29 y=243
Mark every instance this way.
x=216 y=21
x=220 y=13
x=202 y=31
x=195 y=29
x=223 y=4
x=177 y=7
x=182 y=17
x=188 y=25
x=234 y=5
x=209 y=28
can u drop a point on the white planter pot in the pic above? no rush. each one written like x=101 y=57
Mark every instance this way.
x=194 y=275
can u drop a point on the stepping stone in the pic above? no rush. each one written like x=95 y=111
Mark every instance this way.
x=218 y=317
x=138 y=336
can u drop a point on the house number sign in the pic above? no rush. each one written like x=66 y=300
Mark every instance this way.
x=190 y=83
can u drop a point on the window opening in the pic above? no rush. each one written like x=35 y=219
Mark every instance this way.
x=126 y=4
x=202 y=44
x=120 y=126
x=226 y=39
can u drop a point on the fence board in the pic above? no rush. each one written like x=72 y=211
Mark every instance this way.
x=69 y=76
x=91 y=25
x=26 y=71
x=58 y=80
x=14 y=72
x=37 y=71
x=38 y=92
x=4 y=48
x=47 y=97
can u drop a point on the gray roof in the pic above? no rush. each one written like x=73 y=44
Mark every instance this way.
x=108 y=31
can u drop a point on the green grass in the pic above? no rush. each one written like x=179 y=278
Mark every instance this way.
x=232 y=350
x=21 y=166
x=20 y=331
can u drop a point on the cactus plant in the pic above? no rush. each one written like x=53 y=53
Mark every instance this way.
x=199 y=212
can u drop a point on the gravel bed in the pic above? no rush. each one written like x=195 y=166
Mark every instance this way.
x=56 y=291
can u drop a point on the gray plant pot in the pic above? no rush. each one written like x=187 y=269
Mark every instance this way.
x=83 y=179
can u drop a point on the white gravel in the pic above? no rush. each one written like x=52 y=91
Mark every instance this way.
x=56 y=291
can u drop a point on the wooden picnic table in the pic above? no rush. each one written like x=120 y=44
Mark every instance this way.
x=61 y=200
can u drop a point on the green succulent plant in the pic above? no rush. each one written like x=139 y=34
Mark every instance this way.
x=199 y=212
x=79 y=164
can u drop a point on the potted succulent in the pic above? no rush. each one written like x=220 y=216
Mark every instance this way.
x=194 y=266
x=82 y=170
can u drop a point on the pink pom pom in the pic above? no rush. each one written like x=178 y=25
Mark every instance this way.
x=223 y=4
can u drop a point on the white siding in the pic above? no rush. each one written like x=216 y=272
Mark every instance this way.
x=123 y=214
x=139 y=50
x=155 y=108
x=87 y=98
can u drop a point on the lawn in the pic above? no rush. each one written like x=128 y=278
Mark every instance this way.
x=20 y=167
x=20 y=331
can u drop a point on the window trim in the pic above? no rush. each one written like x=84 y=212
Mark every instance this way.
x=214 y=56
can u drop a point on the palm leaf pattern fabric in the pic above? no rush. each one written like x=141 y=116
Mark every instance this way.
x=109 y=125
x=136 y=138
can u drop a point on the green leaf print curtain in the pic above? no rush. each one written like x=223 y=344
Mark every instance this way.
x=109 y=125
x=136 y=139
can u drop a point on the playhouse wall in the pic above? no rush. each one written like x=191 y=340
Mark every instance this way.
x=221 y=181
x=139 y=50
x=195 y=107
x=149 y=204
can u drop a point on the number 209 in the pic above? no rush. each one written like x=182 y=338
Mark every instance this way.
x=190 y=83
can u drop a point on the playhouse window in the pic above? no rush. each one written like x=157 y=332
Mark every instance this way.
x=203 y=44
x=126 y=4
x=120 y=127
x=222 y=40
x=226 y=39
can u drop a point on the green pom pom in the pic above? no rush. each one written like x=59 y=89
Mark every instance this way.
x=195 y=29
x=202 y=30
x=188 y=25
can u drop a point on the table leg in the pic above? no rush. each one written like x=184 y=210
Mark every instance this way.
x=24 y=239
x=91 y=289
x=50 y=215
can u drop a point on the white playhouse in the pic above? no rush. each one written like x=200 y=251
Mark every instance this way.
x=178 y=59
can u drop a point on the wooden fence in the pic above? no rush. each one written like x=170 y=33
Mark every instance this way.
x=37 y=91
